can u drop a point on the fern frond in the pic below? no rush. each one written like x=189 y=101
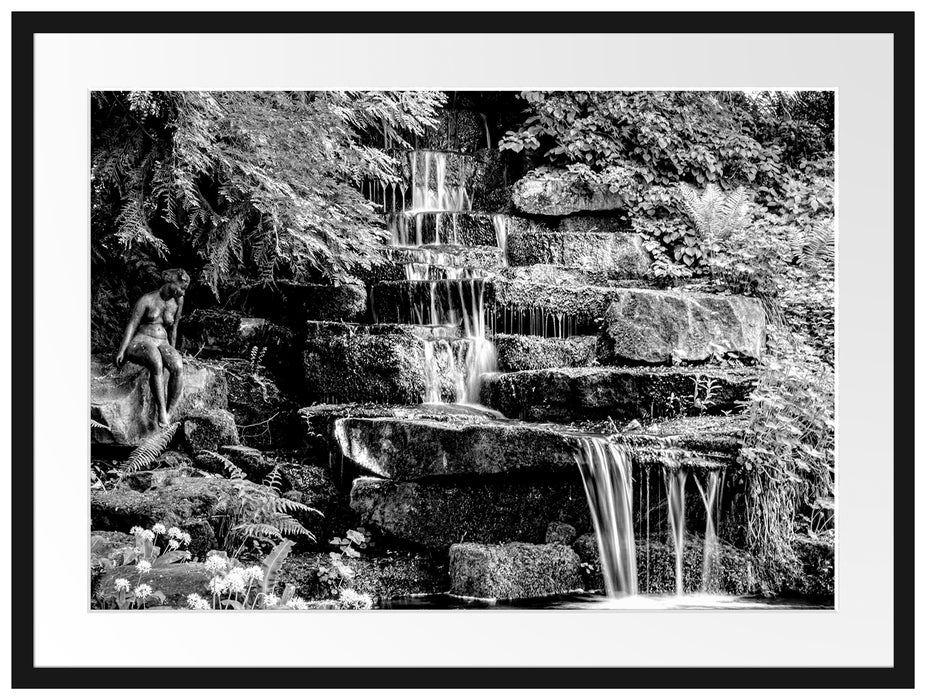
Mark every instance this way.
x=150 y=449
x=273 y=563
x=258 y=531
x=274 y=479
x=235 y=473
x=97 y=424
x=285 y=505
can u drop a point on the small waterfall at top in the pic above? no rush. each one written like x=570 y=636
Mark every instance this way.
x=441 y=197
x=605 y=469
x=453 y=299
x=711 y=496
x=675 y=485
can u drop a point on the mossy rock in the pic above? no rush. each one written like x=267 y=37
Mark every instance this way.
x=434 y=516
x=622 y=394
x=380 y=363
x=661 y=327
x=526 y=352
x=513 y=570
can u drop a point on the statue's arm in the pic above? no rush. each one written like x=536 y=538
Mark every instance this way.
x=137 y=313
x=173 y=328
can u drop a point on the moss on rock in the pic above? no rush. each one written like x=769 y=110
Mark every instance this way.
x=513 y=570
x=435 y=516
x=525 y=352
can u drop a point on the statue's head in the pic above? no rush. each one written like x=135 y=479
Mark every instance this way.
x=175 y=282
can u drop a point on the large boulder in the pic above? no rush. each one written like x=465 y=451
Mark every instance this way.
x=121 y=400
x=660 y=327
x=559 y=193
x=379 y=363
x=435 y=516
x=626 y=393
x=513 y=570
x=410 y=449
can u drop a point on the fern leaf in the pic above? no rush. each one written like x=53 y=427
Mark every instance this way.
x=235 y=473
x=273 y=563
x=274 y=479
x=150 y=449
x=97 y=424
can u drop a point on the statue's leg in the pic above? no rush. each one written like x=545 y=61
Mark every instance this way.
x=170 y=358
x=146 y=353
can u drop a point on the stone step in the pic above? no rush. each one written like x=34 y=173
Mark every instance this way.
x=419 y=445
x=526 y=352
x=468 y=228
x=383 y=363
x=637 y=326
x=622 y=394
x=619 y=252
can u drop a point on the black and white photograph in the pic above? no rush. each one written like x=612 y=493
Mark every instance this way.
x=462 y=349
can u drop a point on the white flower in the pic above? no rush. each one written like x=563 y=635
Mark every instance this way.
x=147 y=534
x=172 y=544
x=136 y=530
x=197 y=602
x=185 y=537
x=143 y=567
x=254 y=573
x=175 y=533
x=215 y=564
x=271 y=600
x=216 y=585
x=297 y=603
x=143 y=591
x=122 y=584
x=234 y=581
x=158 y=529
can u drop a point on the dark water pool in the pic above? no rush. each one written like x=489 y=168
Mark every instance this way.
x=589 y=601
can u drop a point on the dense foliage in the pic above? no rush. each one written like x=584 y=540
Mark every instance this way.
x=239 y=187
x=774 y=148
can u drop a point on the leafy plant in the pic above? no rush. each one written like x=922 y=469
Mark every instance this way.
x=258 y=513
x=715 y=215
x=788 y=454
x=150 y=449
x=239 y=187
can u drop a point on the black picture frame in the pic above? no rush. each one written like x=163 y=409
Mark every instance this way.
x=25 y=25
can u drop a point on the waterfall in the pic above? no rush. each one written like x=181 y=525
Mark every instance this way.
x=675 y=485
x=711 y=498
x=500 y=222
x=605 y=469
x=442 y=196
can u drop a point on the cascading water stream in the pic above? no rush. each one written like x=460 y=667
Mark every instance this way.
x=711 y=496
x=458 y=362
x=606 y=475
x=675 y=486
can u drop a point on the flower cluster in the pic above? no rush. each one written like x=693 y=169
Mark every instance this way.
x=196 y=602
